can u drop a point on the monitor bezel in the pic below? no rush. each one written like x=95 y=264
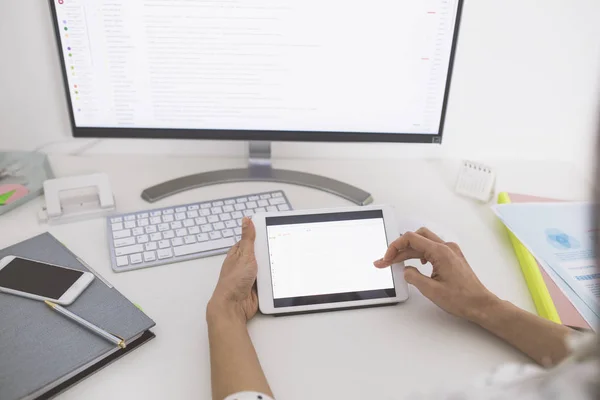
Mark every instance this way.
x=258 y=135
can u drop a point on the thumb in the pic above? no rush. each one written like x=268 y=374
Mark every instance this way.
x=418 y=280
x=248 y=232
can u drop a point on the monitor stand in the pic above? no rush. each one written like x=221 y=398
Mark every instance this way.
x=259 y=169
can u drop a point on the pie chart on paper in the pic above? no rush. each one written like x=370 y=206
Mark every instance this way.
x=11 y=193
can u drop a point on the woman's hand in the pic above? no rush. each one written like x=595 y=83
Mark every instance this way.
x=453 y=285
x=235 y=294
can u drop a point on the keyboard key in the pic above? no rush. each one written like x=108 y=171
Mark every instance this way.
x=181 y=232
x=125 y=251
x=276 y=201
x=228 y=208
x=122 y=261
x=253 y=198
x=277 y=194
x=163 y=227
x=238 y=231
x=189 y=239
x=217 y=203
x=129 y=224
x=260 y=209
x=206 y=228
x=176 y=225
x=238 y=238
x=249 y=213
x=215 y=235
x=137 y=231
x=283 y=207
x=227 y=233
x=231 y=224
x=129 y=217
x=225 y=217
x=213 y=218
x=205 y=205
x=155 y=220
x=216 y=210
x=164 y=253
x=218 y=226
x=143 y=239
x=242 y=200
x=194 y=207
x=149 y=256
x=125 y=242
x=272 y=208
x=203 y=237
x=155 y=237
x=251 y=204
x=205 y=212
x=118 y=226
x=180 y=216
x=177 y=241
x=151 y=246
x=192 y=214
x=230 y=201
x=188 y=222
x=200 y=220
x=143 y=222
x=263 y=203
x=168 y=234
x=180 y=209
x=150 y=229
x=116 y=219
x=204 y=246
x=265 y=196
x=167 y=218
x=122 y=234
x=239 y=222
x=155 y=213
x=135 y=258
x=168 y=211
x=143 y=215
x=236 y=215
x=240 y=206
x=193 y=230
x=163 y=244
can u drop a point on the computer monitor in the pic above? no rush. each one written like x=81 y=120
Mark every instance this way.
x=258 y=70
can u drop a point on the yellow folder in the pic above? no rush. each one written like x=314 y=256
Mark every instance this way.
x=533 y=277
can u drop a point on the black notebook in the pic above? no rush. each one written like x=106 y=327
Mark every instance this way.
x=43 y=353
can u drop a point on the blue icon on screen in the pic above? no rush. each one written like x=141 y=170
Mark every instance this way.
x=560 y=240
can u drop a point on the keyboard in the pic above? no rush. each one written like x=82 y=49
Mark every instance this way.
x=167 y=235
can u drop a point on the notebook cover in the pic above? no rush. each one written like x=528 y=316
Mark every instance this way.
x=38 y=346
x=566 y=311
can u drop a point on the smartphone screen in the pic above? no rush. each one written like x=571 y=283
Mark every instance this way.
x=37 y=278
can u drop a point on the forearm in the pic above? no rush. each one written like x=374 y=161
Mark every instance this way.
x=234 y=364
x=542 y=340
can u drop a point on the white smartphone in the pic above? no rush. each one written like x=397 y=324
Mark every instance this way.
x=41 y=281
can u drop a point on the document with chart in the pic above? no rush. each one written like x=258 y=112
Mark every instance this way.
x=562 y=236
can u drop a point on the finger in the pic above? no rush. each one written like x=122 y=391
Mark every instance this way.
x=401 y=256
x=425 y=284
x=248 y=232
x=234 y=249
x=410 y=240
x=455 y=248
x=429 y=235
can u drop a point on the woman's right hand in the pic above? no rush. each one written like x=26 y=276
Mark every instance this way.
x=453 y=285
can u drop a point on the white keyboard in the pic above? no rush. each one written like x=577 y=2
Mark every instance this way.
x=166 y=235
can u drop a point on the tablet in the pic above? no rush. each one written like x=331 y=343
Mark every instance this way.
x=320 y=260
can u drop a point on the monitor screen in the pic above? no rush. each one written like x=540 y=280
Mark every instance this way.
x=258 y=69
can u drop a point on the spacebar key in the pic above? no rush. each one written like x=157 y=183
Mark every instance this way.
x=204 y=246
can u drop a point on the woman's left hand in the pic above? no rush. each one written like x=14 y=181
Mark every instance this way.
x=235 y=294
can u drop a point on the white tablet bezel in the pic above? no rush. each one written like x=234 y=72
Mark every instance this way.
x=264 y=284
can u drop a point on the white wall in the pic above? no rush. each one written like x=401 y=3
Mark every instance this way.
x=525 y=85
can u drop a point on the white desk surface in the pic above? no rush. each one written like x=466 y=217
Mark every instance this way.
x=383 y=353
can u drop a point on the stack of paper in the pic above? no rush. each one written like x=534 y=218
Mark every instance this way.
x=562 y=237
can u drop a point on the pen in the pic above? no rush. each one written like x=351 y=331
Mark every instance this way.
x=99 y=331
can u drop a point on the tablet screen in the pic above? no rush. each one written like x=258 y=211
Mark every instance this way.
x=328 y=258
